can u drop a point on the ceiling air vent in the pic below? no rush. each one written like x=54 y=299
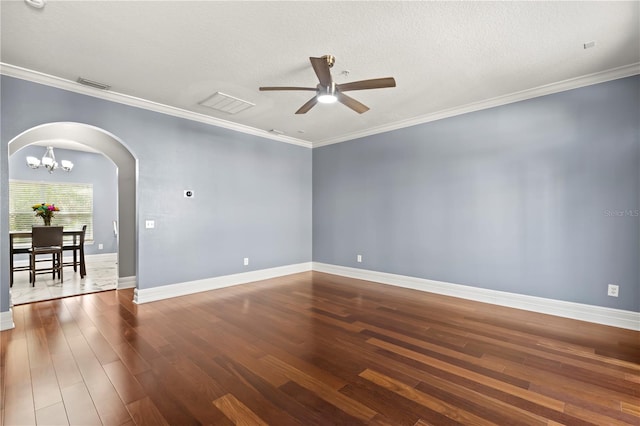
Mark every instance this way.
x=93 y=84
x=226 y=103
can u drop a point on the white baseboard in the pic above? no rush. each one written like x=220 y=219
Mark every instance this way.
x=190 y=287
x=102 y=257
x=126 y=282
x=596 y=314
x=6 y=320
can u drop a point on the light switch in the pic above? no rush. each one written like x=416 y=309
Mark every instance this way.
x=150 y=224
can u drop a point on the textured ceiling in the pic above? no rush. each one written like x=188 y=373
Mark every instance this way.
x=443 y=55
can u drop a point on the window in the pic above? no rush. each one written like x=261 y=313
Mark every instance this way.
x=75 y=201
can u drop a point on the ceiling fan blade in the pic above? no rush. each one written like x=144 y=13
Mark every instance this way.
x=352 y=103
x=375 y=83
x=306 y=107
x=321 y=67
x=287 y=88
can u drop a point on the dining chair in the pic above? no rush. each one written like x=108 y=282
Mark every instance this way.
x=77 y=246
x=46 y=240
x=16 y=249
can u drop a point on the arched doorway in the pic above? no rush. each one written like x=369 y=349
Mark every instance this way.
x=115 y=149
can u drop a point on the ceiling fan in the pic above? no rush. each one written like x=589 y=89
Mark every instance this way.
x=327 y=91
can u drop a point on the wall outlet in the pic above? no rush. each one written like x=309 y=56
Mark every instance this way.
x=612 y=290
x=150 y=224
x=100 y=246
x=246 y=261
x=359 y=258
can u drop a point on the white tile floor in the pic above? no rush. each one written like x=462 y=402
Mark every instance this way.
x=101 y=275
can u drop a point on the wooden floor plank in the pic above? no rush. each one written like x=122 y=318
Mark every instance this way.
x=320 y=405
x=391 y=407
x=159 y=392
x=108 y=404
x=269 y=402
x=54 y=414
x=325 y=392
x=124 y=382
x=237 y=412
x=79 y=405
x=477 y=377
x=18 y=391
x=454 y=413
x=19 y=407
x=311 y=349
x=66 y=369
x=46 y=390
x=144 y=412
x=186 y=394
x=633 y=409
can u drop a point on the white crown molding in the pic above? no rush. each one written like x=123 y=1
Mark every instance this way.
x=6 y=320
x=191 y=287
x=561 y=86
x=73 y=86
x=596 y=314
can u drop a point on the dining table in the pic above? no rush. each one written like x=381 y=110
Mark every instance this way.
x=72 y=235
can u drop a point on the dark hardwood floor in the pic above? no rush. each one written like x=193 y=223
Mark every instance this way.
x=312 y=349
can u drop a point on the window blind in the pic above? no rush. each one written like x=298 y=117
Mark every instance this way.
x=75 y=201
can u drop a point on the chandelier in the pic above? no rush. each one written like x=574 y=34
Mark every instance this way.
x=49 y=161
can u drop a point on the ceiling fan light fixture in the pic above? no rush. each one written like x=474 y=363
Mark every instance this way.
x=327 y=95
x=327 y=99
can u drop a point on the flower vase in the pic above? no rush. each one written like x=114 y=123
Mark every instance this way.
x=47 y=221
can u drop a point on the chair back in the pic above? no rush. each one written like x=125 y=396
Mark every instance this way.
x=84 y=231
x=46 y=236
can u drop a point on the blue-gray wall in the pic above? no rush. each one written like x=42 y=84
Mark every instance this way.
x=524 y=198
x=252 y=195
x=91 y=168
x=539 y=197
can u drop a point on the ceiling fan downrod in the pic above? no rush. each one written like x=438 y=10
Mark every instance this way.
x=330 y=60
